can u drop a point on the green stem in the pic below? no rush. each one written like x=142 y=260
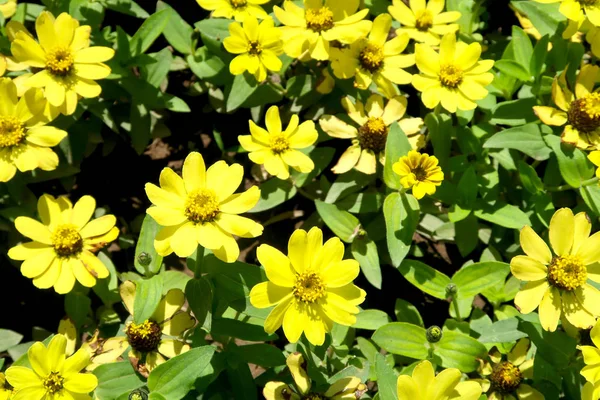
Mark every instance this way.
x=199 y=261
x=306 y=194
x=455 y=304
x=562 y=188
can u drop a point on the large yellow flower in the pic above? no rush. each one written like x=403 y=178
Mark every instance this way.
x=577 y=10
x=375 y=59
x=311 y=287
x=52 y=375
x=278 y=149
x=8 y=9
x=591 y=356
x=424 y=23
x=25 y=140
x=69 y=65
x=425 y=385
x=257 y=47
x=307 y=31
x=238 y=9
x=201 y=209
x=5 y=390
x=345 y=388
x=454 y=77
x=420 y=172
x=369 y=138
x=557 y=284
x=578 y=110
x=62 y=246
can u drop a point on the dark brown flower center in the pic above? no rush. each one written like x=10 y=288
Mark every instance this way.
x=144 y=337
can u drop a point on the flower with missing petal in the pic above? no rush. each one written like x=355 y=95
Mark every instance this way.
x=558 y=283
x=279 y=149
x=375 y=59
x=425 y=23
x=238 y=9
x=63 y=243
x=52 y=375
x=257 y=47
x=345 y=388
x=420 y=172
x=454 y=76
x=201 y=209
x=311 y=287
x=577 y=10
x=425 y=385
x=369 y=133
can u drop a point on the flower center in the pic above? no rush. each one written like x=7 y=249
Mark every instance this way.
x=506 y=378
x=584 y=113
x=201 y=206
x=587 y=2
x=371 y=57
x=238 y=3
x=567 y=272
x=279 y=144
x=66 y=240
x=308 y=287
x=420 y=173
x=424 y=20
x=12 y=131
x=60 y=61
x=450 y=76
x=254 y=48
x=373 y=135
x=53 y=383
x=143 y=337
x=312 y=396
x=319 y=19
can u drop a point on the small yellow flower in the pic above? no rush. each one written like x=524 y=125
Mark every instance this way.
x=201 y=209
x=591 y=356
x=8 y=9
x=25 y=140
x=238 y=9
x=69 y=66
x=278 y=149
x=6 y=390
x=311 y=287
x=52 y=375
x=257 y=47
x=454 y=77
x=594 y=157
x=375 y=59
x=420 y=172
x=579 y=112
x=424 y=23
x=557 y=284
x=62 y=246
x=344 y=388
x=307 y=31
x=577 y=10
x=505 y=377
x=425 y=385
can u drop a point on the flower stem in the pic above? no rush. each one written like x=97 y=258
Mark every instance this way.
x=562 y=188
x=456 y=310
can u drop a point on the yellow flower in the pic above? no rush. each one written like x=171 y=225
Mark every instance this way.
x=257 y=45
x=454 y=77
x=369 y=138
x=590 y=391
x=238 y=9
x=52 y=375
x=594 y=157
x=25 y=140
x=375 y=59
x=579 y=111
x=526 y=23
x=62 y=246
x=6 y=390
x=149 y=345
x=425 y=385
x=307 y=31
x=591 y=356
x=276 y=148
x=69 y=65
x=103 y=351
x=420 y=172
x=201 y=209
x=326 y=83
x=559 y=282
x=577 y=10
x=311 y=287
x=505 y=377
x=424 y=23
x=8 y=9
x=344 y=388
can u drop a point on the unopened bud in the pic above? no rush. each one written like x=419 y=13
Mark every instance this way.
x=144 y=258
x=434 y=334
x=451 y=290
x=138 y=394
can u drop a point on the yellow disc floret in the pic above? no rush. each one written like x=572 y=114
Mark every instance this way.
x=567 y=272
x=373 y=134
x=279 y=144
x=201 y=206
x=424 y=20
x=12 y=131
x=371 y=57
x=450 y=76
x=320 y=19
x=254 y=48
x=60 y=61
x=238 y=3
x=506 y=377
x=54 y=383
x=309 y=287
x=66 y=240
x=144 y=337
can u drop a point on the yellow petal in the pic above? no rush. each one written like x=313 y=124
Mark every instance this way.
x=241 y=202
x=296 y=365
x=534 y=246
x=169 y=305
x=33 y=229
x=178 y=324
x=277 y=266
x=550 y=115
x=561 y=231
x=527 y=269
x=268 y=294
x=530 y=296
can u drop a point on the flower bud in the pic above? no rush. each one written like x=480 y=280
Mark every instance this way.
x=451 y=290
x=434 y=334
x=138 y=394
x=144 y=258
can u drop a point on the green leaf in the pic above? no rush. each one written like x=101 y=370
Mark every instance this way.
x=475 y=278
x=404 y=339
x=241 y=330
x=204 y=64
x=529 y=178
x=149 y=32
x=396 y=146
x=364 y=250
x=262 y=354
x=177 y=32
x=540 y=51
x=9 y=339
x=513 y=69
x=156 y=72
x=406 y=312
x=116 y=378
x=572 y=162
x=467 y=234
x=78 y=306
x=242 y=382
x=148 y=293
x=545 y=17
x=213 y=31
x=527 y=139
x=465 y=196
x=556 y=347
x=401 y=212
x=502 y=214
x=371 y=319
x=242 y=88
x=386 y=379
x=459 y=351
x=145 y=246
x=345 y=184
x=522 y=48
x=273 y=193
x=514 y=112
x=440 y=133
x=175 y=378
x=503 y=331
x=321 y=156
x=199 y=294
x=591 y=196
x=358 y=203
x=140 y=125
x=425 y=278
x=342 y=223
x=128 y=7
